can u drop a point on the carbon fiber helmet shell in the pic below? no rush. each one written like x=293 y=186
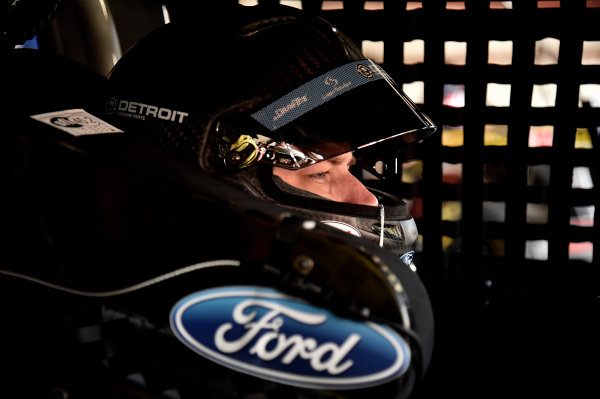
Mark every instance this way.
x=198 y=74
x=202 y=91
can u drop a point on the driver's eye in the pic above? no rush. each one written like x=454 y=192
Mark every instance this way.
x=318 y=176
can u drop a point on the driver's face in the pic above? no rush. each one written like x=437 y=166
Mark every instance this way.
x=330 y=179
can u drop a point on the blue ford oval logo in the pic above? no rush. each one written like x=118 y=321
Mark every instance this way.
x=268 y=334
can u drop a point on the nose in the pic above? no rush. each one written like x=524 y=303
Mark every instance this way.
x=354 y=192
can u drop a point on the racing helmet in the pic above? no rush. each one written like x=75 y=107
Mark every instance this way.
x=241 y=93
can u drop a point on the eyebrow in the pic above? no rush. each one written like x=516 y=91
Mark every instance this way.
x=339 y=160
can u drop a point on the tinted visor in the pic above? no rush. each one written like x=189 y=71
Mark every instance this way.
x=352 y=107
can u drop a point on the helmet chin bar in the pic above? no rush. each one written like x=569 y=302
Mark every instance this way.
x=397 y=232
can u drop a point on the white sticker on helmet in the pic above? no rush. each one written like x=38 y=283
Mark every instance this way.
x=76 y=122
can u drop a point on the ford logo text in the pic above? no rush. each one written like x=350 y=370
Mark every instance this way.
x=271 y=335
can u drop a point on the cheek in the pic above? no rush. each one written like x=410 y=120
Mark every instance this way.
x=285 y=175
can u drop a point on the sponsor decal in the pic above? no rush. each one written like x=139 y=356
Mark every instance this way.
x=296 y=102
x=317 y=92
x=348 y=228
x=329 y=81
x=266 y=333
x=76 y=122
x=365 y=71
x=137 y=110
x=337 y=89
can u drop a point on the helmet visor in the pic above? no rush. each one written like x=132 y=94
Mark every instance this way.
x=352 y=107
